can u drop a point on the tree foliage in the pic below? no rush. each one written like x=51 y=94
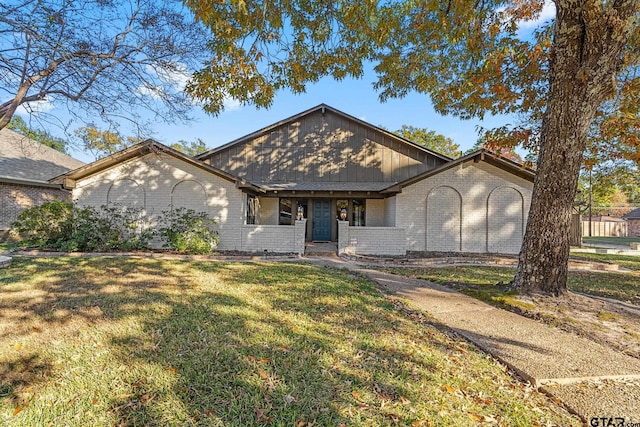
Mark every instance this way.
x=190 y=148
x=431 y=140
x=469 y=58
x=102 y=59
x=103 y=142
x=18 y=124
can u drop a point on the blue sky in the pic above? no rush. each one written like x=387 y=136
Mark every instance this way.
x=354 y=97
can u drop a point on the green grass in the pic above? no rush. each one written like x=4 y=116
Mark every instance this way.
x=631 y=262
x=609 y=240
x=481 y=281
x=153 y=342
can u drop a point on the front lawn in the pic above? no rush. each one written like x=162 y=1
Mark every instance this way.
x=155 y=342
x=481 y=281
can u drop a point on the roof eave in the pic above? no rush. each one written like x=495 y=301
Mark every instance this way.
x=480 y=155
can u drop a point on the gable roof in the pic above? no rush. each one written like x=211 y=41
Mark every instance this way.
x=634 y=214
x=145 y=147
x=321 y=107
x=25 y=160
x=477 y=156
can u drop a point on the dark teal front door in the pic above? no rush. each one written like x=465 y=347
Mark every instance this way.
x=322 y=220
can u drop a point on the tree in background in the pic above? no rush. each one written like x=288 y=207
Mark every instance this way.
x=17 y=124
x=192 y=148
x=508 y=152
x=469 y=57
x=106 y=60
x=431 y=140
x=102 y=143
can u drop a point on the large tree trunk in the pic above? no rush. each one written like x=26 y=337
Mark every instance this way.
x=587 y=47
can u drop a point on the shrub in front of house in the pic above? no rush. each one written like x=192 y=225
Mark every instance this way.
x=186 y=230
x=48 y=225
x=108 y=228
x=62 y=226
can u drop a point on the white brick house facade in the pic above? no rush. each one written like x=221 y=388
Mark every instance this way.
x=472 y=207
x=323 y=176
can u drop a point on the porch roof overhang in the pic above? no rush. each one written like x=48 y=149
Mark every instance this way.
x=325 y=189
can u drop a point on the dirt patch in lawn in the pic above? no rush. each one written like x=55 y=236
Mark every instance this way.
x=608 y=322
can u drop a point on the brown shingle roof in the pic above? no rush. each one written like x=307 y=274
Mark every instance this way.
x=25 y=159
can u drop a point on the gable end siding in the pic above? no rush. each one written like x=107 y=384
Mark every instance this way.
x=323 y=148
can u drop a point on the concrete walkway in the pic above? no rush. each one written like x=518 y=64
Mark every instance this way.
x=590 y=379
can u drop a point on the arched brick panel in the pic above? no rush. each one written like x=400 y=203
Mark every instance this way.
x=444 y=220
x=505 y=220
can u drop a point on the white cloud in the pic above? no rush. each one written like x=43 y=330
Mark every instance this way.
x=548 y=13
x=231 y=104
x=35 y=107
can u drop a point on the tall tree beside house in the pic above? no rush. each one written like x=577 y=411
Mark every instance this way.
x=431 y=140
x=106 y=60
x=18 y=124
x=469 y=57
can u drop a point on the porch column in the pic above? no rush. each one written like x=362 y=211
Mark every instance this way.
x=343 y=236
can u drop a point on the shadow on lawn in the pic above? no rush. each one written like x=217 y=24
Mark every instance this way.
x=259 y=349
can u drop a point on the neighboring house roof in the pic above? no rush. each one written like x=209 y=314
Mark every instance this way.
x=481 y=155
x=139 y=150
x=634 y=214
x=25 y=161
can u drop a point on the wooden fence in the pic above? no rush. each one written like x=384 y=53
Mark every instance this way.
x=605 y=229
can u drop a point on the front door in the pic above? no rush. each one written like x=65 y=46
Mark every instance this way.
x=321 y=220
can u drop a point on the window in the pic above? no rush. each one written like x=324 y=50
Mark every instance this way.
x=284 y=210
x=352 y=211
x=357 y=213
x=252 y=208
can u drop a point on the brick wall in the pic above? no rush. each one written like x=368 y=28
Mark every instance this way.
x=274 y=238
x=371 y=240
x=472 y=207
x=160 y=180
x=633 y=227
x=15 y=198
x=375 y=213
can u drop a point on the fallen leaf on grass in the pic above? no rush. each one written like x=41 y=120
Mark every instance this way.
x=173 y=371
x=17 y=346
x=449 y=388
x=17 y=410
x=263 y=374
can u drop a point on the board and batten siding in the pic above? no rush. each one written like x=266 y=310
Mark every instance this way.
x=323 y=147
x=471 y=207
x=155 y=182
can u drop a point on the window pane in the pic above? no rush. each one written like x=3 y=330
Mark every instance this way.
x=252 y=209
x=285 y=212
x=358 y=213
